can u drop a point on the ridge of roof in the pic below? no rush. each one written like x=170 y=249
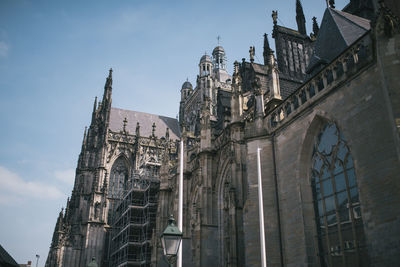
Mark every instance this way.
x=145 y=120
x=349 y=26
x=290 y=31
x=338 y=31
x=359 y=21
x=128 y=110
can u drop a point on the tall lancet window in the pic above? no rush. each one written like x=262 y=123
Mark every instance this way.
x=116 y=186
x=337 y=207
x=118 y=179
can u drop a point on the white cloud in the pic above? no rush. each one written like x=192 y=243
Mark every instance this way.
x=3 y=49
x=66 y=176
x=13 y=187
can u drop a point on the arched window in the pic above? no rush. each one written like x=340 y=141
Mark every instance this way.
x=337 y=207
x=118 y=179
x=117 y=186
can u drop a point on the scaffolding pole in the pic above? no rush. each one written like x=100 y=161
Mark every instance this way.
x=180 y=203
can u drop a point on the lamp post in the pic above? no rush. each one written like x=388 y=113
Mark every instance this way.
x=170 y=241
x=37 y=259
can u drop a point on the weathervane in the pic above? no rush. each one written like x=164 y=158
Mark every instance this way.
x=218 y=39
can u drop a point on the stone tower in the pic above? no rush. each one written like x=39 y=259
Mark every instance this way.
x=121 y=148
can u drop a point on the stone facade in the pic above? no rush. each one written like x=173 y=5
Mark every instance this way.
x=120 y=148
x=329 y=136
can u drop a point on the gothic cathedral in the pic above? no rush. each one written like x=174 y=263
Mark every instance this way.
x=324 y=113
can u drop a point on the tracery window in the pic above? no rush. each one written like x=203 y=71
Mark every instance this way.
x=118 y=179
x=117 y=185
x=337 y=207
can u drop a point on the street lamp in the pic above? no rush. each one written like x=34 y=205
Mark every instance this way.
x=170 y=241
x=37 y=259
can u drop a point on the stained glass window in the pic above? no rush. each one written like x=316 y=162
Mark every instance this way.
x=116 y=185
x=336 y=202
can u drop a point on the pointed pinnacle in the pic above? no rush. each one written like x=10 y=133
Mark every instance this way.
x=95 y=104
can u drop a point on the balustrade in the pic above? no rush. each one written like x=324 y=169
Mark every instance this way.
x=340 y=69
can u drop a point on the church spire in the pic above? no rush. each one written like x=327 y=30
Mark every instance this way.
x=106 y=103
x=94 y=110
x=108 y=87
x=301 y=21
x=267 y=50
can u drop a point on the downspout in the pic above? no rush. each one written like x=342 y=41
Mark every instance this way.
x=277 y=198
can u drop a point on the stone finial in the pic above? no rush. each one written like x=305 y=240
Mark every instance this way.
x=315 y=26
x=256 y=84
x=236 y=68
x=275 y=17
x=154 y=129
x=84 y=137
x=331 y=3
x=167 y=134
x=95 y=104
x=236 y=74
x=252 y=52
x=266 y=43
x=110 y=73
x=137 y=129
x=125 y=123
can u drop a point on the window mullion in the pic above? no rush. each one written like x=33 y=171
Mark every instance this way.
x=337 y=212
x=351 y=210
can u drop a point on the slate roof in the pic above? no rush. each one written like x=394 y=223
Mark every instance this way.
x=146 y=121
x=258 y=68
x=338 y=31
x=6 y=260
x=288 y=31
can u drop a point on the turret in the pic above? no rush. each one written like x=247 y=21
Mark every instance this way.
x=219 y=64
x=186 y=90
x=219 y=58
x=205 y=65
x=301 y=21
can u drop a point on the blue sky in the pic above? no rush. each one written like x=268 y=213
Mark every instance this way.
x=54 y=58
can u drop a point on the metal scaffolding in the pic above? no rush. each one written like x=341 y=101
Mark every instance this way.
x=134 y=219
